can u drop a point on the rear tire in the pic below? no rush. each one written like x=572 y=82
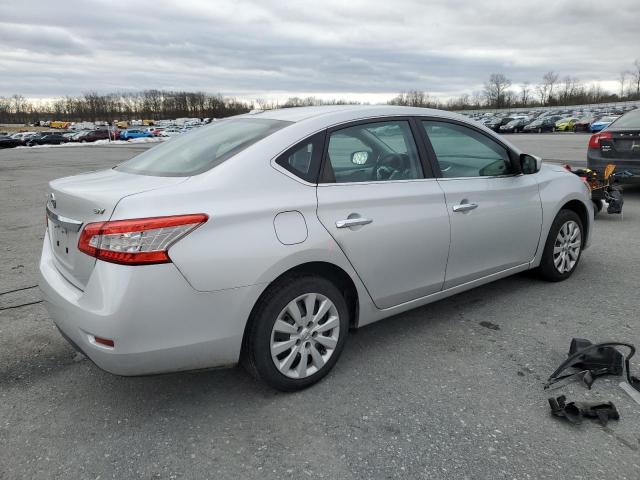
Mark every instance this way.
x=277 y=342
x=563 y=247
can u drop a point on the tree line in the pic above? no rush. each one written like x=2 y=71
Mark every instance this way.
x=498 y=92
x=92 y=106
x=149 y=104
x=553 y=90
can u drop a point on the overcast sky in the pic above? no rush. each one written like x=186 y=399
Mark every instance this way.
x=364 y=50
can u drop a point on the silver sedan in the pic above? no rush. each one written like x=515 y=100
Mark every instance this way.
x=264 y=238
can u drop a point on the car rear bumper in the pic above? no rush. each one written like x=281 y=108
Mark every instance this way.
x=157 y=321
x=597 y=162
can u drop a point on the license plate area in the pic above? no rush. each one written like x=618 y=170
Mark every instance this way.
x=60 y=239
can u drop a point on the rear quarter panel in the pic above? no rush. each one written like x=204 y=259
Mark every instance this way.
x=238 y=245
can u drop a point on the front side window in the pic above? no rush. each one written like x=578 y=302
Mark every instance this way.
x=463 y=152
x=372 y=152
x=202 y=149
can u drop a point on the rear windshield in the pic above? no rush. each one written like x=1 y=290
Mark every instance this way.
x=202 y=149
x=630 y=120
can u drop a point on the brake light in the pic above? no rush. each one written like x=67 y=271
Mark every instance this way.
x=140 y=241
x=596 y=138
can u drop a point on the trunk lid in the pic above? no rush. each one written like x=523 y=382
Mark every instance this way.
x=76 y=201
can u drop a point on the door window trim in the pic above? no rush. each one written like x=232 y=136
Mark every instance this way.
x=425 y=164
x=433 y=158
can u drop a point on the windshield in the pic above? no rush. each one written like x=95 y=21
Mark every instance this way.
x=630 y=120
x=202 y=149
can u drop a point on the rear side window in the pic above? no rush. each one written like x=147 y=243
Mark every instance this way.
x=202 y=149
x=303 y=160
x=630 y=120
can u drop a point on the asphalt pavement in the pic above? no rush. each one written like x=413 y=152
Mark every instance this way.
x=452 y=390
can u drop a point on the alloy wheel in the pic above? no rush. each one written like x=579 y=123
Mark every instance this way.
x=305 y=335
x=566 y=248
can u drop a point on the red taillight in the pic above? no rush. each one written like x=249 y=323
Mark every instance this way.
x=596 y=138
x=141 y=241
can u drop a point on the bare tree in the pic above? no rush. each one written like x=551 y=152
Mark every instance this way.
x=476 y=98
x=567 y=89
x=496 y=88
x=545 y=89
x=525 y=93
x=636 y=77
x=622 y=78
x=414 y=98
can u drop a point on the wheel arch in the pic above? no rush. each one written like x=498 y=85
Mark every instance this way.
x=337 y=275
x=581 y=210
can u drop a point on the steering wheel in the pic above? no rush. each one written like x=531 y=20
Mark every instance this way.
x=390 y=166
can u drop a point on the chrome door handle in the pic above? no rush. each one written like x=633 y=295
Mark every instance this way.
x=465 y=207
x=353 y=222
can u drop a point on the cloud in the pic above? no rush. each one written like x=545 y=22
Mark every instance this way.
x=43 y=38
x=265 y=48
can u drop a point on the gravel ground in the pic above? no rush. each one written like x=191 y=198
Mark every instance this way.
x=452 y=390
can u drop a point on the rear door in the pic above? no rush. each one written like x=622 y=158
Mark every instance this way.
x=496 y=213
x=387 y=216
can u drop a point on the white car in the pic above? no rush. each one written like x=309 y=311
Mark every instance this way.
x=265 y=237
x=170 y=132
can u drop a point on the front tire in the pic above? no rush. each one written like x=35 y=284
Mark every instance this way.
x=563 y=247
x=297 y=332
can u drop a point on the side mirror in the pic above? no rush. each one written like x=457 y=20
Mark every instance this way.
x=530 y=163
x=359 y=158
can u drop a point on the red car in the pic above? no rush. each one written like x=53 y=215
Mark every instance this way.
x=93 y=135
x=582 y=125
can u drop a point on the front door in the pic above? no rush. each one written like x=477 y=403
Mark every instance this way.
x=390 y=221
x=496 y=213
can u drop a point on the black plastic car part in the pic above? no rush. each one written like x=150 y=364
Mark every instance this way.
x=574 y=412
x=593 y=360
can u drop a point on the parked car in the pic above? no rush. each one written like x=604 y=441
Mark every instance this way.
x=565 y=124
x=583 y=123
x=617 y=144
x=70 y=136
x=9 y=142
x=496 y=123
x=21 y=136
x=170 y=132
x=93 y=135
x=604 y=122
x=248 y=240
x=47 y=139
x=541 y=124
x=514 y=126
x=133 y=133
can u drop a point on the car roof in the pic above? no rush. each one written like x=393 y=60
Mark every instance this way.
x=345 y=113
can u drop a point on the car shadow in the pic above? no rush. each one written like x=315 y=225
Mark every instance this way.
x=226 y=386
